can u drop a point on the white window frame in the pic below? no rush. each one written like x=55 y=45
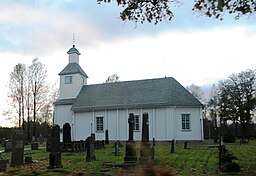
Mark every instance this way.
x=136 y=123
x=99 y=124
x=185 y=122
x=68 y=79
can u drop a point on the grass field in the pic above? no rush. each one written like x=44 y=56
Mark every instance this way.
x=197 y=160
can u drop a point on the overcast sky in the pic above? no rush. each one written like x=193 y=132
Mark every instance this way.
x=191 y=48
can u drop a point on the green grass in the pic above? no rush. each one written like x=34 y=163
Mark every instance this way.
x=197 y=160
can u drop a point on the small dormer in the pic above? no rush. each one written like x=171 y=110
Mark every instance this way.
x=72 y=77
x=73 y=55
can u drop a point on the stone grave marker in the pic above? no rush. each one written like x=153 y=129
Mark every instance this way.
x=106 y=137
x=154 y=142
x=130 y=152
x=172 y=146
x=152 y=153
x=28 y=159
x=48 y=143
x=93 y=137
x=41 y=139
x=185 y=145
x=90 y=153
x=66 y=133
x=3 y=142
x=145 y=152
x=55 y=151
x=117 y=151
x=34 y=146
x=3 y=164
x=17 y=156
x=8 y=145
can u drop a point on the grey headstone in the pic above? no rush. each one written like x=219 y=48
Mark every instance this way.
x=90 y=150
x=130 y=152
x=172 y=146
x=28 y=159
x=17 y=148
x=131 y=126
x=185 y=145
x=3 y=164
x=154 y=142
x=66 y=133
x=117 y=148
x=55 y=152
x=8 y=145
x=145 y=152
x=106 y=137
x=34 y=146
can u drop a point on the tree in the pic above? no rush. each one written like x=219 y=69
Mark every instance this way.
x=16 y=90
x=196 y=91
x=28 y=100
x=112 y=78
x=159 y=10
x=38 y=88
x=238 y=98
x=218 y=9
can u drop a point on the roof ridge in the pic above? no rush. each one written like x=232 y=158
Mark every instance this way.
x=118 y=82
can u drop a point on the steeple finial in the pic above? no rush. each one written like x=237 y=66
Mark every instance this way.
x=73 y=39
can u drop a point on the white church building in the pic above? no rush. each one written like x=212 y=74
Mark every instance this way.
x=173 y=112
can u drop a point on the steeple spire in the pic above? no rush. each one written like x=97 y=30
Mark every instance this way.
x=73 y=39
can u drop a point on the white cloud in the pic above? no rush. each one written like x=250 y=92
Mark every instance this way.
x=39 y=31
x=198 y=56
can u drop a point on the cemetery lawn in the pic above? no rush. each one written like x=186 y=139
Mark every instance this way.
x=196 y=160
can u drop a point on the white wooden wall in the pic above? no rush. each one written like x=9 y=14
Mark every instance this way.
x=164 y=124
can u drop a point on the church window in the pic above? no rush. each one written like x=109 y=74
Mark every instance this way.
x=136 y=122
x=99 y=124
x=68 y=79
x=185 y=121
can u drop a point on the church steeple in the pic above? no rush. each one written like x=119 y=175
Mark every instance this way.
x=73 y=55
x=72 y=77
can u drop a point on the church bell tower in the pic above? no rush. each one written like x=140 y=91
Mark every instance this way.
x=72 y=77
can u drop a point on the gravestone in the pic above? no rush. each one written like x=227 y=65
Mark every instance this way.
x=41 y=139
x=185 y=145
x=117 y=153
x=3 y=164
x=152 y=153
x=66 y=133
x=130 y=152
x=17 y=148
x=145 y=152
x=28 y=159
x=106 y=137
x=172 y=146
x=90 y=153
x=8 y=145
x=3 y=142
x=55 y=151
x=48 y=143
x=34 y=146
x=93 y=137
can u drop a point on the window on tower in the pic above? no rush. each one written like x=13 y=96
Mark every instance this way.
x=68 y=79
